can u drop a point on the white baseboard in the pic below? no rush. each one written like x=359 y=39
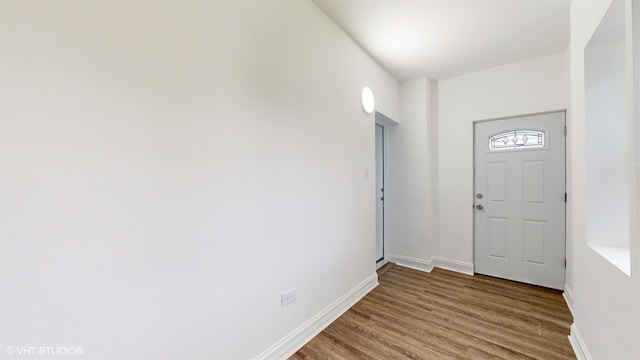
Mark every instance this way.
x=453 y=265
x=291 y=343
x=412 y=263
x=578 y=345
x=568 y=297
x=428 y=265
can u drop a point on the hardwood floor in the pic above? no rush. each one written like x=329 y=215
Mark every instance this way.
x=446 y=315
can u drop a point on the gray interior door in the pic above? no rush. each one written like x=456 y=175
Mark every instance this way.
x=379 y=193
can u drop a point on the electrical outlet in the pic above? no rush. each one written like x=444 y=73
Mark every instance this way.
x=288 y=297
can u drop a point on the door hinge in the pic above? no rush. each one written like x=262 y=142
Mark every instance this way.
x=565 y=197
x=565 y=263
x=565 y=131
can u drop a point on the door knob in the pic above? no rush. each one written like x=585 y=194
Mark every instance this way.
x=479 y=207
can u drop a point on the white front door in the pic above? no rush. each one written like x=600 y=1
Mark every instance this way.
x=379 y=193
x=520 y=199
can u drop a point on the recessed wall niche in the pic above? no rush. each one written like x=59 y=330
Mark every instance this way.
x=609 y=133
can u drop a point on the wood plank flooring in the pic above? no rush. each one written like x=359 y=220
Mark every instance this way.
x=446 y=315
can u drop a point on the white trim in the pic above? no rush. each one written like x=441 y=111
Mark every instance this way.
x=381 y=263
x=453 y=265
x=568 y=297
x=412 y=263
x=296 y=339
x=428 y=265
x=578 y=345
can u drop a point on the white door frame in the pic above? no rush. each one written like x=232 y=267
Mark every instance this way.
x=380 y=182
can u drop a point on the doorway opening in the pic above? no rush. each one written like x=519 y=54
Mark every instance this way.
x=379 y=193
x=384 y=145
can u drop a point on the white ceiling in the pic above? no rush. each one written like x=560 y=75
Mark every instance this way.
x=444 y=38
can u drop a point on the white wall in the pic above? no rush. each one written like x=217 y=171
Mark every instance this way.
x=634 y=245
x=169 y=168
x=526 y=87
x=411 y=202
x=606 y=311
x=606 y=122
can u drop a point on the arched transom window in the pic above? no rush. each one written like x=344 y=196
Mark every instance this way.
x=518 y=140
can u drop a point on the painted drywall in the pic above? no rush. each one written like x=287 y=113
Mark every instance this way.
x=533 y=86
x=606 y=311
x=411 y=202
x=169 y=168
x=606 y=130
x=634 y=245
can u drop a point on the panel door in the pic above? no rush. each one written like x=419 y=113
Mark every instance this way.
x=379 y=193
x=520 y=199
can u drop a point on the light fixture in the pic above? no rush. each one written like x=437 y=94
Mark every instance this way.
x=368 y=103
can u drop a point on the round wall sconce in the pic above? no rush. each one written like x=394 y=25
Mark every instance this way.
x=368 y=102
